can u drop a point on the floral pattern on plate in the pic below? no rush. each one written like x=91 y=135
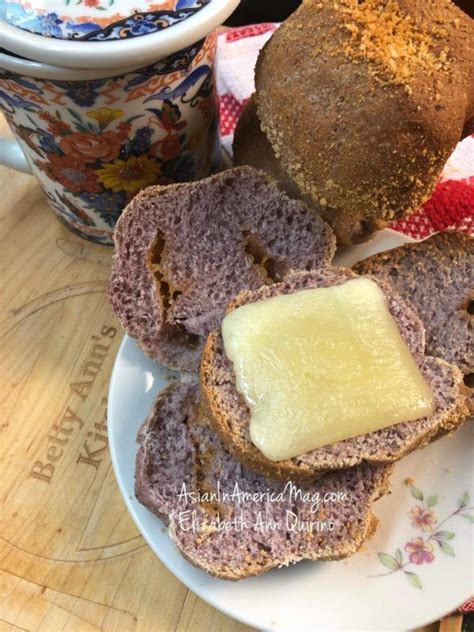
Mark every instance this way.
x=97 y=20
x=430 y=537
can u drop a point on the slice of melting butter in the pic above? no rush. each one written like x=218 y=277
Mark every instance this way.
x=322 y=365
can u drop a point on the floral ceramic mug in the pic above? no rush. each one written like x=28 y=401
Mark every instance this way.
x=93 y=139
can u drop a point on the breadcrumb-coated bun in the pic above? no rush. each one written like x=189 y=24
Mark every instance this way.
x=364 y=101
x=251 y=147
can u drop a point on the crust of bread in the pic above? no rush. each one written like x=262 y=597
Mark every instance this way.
x=247 y=453
x=170 y=279
x=250 y=456
x=365 y=533
x=251 y=147
x=425 y=253
x=254 y=567
x=348 y=97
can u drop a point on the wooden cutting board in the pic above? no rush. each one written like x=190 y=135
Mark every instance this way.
x=71 y=558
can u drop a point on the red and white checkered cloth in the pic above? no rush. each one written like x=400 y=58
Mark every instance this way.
x=451 y=206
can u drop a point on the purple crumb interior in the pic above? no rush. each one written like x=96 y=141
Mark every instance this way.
x=229 y=232
x=178 y=446
x=387 y=444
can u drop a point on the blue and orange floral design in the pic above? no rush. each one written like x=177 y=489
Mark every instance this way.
x=101 y=163
x=98 y=20
x=94 y=144
x=429 y=539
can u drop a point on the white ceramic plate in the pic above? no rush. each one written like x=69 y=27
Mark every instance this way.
x=365 y=592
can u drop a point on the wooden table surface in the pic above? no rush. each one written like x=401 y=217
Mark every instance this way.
x=71 y=558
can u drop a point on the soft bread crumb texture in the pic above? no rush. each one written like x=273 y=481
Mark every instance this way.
x=288 y=354
x=178 y=446
x=182 y=252
x=437 y=277
x=230 y=414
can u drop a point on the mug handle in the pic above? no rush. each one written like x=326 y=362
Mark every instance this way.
x=11 y=155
